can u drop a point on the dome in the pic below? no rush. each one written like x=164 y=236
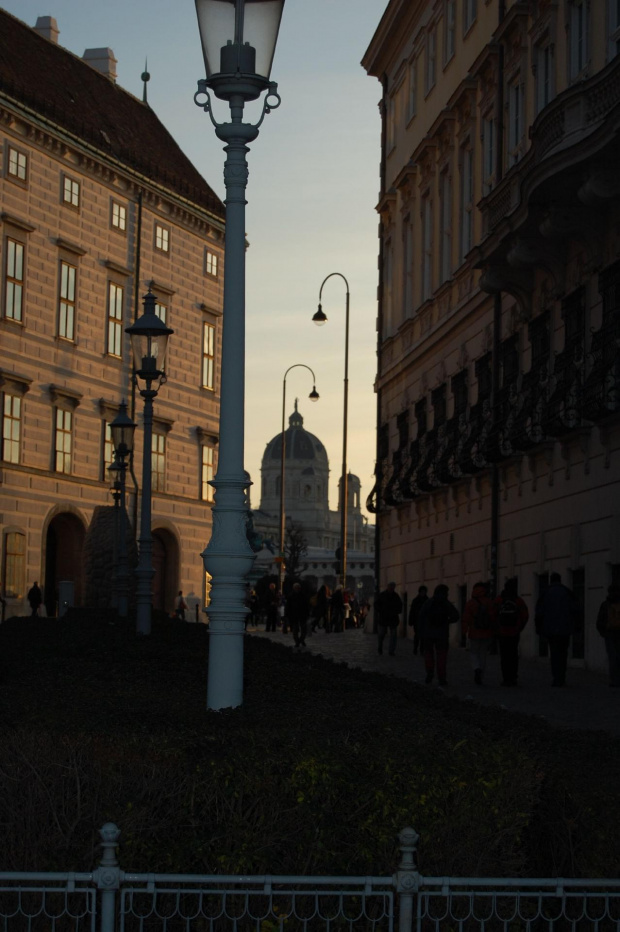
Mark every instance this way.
x=301 y=445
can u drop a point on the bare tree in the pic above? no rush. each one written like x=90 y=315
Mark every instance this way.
x=295 y=548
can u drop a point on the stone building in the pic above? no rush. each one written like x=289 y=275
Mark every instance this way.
x=97 y=205
x=306 y=505
x=498 y=431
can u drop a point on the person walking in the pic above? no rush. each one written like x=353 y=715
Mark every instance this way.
x=511 y=614
x=388 y=606
x=608 y=626
x=272 y=602
x=414 y=615
x=180 y=607
x=337 y=610
x=298 y=610
x=35 y=599
x=436 y=616
x=557 y=614
x=479 y=628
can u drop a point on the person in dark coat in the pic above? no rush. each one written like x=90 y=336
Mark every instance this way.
x=388 y=607
x=511 y=616
x=479 y=628
x=321 y=615
x=35 y=598
x=337 y=610
x=608 y=626
x=298 y=610
x=435 y=619
x=272 y=603
x=414 y=614
x=557 y=614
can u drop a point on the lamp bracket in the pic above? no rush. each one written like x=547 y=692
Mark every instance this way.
x=272 y=101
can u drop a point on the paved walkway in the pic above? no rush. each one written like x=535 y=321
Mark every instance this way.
x=586 y=702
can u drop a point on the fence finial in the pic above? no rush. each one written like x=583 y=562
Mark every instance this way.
x=407 y=878
x=110 y=834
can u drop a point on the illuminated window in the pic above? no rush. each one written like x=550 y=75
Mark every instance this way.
x=119 y=216
x=115 y=320
x=14 y=565
x=211 y=264
x=108 y=447
x=208 y=491
x=208 y=356
x=11 y=428
x=63 y=441
x=162 y=238
x=14 y=280
x=158 y=462
x=66 y=314
x=161 y=311
x=18 y=164
x=71 y=192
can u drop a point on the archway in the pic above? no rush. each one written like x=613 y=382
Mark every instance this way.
x=64 y=545
x=166 y=566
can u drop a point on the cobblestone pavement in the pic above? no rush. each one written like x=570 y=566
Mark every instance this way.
x=586 y=702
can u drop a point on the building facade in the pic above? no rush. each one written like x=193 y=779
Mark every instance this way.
x=98 y=205
x=498 y=450
x=306 y=507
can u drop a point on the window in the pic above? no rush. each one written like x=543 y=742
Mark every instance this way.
x=516 y=122
x=407 y=268
x=14 y=282
x=431 y=59
x=158 y=462
x=412 y=89
x=391 y=124
x=208 y=356
x=469 y=14
x=11 y=427
x=119 y=216
x=388 y=291
x=115 y=320
x=577 y=38
x=207 y=491
x=63 y=441
x=445 y=217
x=17 y=165
x=108 y=447
x=14 y=565
x=70 y=192
x=614 y=29
x=449 y=20
x=467 y=200
x=161 y=311
x=544 y=76
x=66 y=314
x=427 y=240
x=162 y=238
x=211 y=264
x=488 y=155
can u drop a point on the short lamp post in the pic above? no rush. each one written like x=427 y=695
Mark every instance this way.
x=313 y=396
x=149 y=342
x=122 y=429
x=238 y=40
x=320 y=318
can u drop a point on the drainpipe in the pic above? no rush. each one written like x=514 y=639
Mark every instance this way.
x=497 y=316
x=379 y=331
x=136 y=314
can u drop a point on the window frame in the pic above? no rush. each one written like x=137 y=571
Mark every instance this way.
x=445 y=225
x=412 y=88
x=71 y=192
x=207 y=492
x=613 y=29
x=162 y=238
x=118 y=212
x=63 y=452
x=466 y=192
x=207 y=366
x=158 y=460
x=426 y=280
x=516 y=120
x=18 y=569
x=11 y=281
x=212 y=263
x=489 y=152
x=430 y=63
x=15 y=176
x=408 y=246
x=449 y=31
x=545 y=69
x=115 y=320
x=66 y=303
x=578 y=48
x=470 y=14
x=10 y=419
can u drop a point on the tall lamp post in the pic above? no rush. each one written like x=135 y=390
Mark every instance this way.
x=122 y=429
x=149 y=341
x=238 y=40
x=313 y=396
x=320 y=318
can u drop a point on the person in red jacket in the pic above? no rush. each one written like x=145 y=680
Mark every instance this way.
x=479 y=628
x=511 y=615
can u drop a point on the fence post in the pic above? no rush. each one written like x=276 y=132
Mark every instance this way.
x=407 y=878
x=108 y=875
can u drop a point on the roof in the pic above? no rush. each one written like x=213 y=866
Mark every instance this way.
x=300 y=444
x=62 y=88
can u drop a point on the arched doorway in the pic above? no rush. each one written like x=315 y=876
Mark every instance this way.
x=166 y=566
x=64 y=546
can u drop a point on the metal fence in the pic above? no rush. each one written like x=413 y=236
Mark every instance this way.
x=109 y=899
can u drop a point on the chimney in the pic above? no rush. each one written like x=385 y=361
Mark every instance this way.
x=48 y=28
x=103 y=60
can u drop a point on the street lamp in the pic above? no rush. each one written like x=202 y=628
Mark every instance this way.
x=149 y=342
x=238 y=39
x=320 y=318
x=313 y=396
x=122 y=429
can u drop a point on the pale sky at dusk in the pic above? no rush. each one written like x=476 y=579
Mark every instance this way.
x=313 y=186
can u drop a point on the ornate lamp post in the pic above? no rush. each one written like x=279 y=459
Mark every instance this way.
x=313 y=396
x=122 y=429
x=238 y=40
x=319 y=319
x=149 y=342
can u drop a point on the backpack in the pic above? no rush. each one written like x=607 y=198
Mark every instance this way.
x=508 y=615
x=613 y=616
x=482 y=618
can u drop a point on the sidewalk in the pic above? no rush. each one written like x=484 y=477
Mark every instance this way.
x=586 y=702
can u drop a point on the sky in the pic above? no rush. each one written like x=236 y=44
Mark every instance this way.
x=313 y=186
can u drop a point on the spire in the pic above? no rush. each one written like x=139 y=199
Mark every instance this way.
x=145 y=76
x=296 y=420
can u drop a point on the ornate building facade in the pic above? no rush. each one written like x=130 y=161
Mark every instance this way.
x=306 y=506
x=498 y=447
x=98 y=205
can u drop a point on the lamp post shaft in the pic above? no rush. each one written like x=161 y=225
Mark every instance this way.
x=228 y=557
x=345 y=475
x=145 y=571
x=282 y=489
x=122 y=576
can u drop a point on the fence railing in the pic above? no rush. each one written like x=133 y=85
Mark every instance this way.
x=110 y=899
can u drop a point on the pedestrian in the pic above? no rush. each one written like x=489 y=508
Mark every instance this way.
x=322 y=614
x=511 y=615
x=298 y=610
x=35 y=598
x=436 y=616
x=388 y=607
x=180 y=607
x=479 y=628
x=557 y=615
x=608 y=626
x=414 y=615
x=253 y=606
x=337 y=610
x=272 y=603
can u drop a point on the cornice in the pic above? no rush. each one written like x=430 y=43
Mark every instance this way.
x=65 y=396
x=68 y=246
x=17 y=222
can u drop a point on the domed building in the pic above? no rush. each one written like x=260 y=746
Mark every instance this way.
x=306 y=505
